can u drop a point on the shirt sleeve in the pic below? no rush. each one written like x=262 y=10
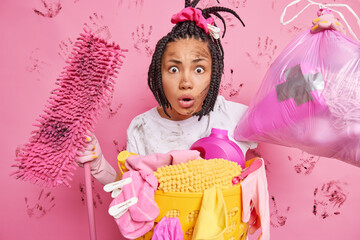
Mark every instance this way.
x=236 y=111
x=133 y=143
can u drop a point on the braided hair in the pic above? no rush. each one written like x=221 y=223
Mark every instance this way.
x=184 y=30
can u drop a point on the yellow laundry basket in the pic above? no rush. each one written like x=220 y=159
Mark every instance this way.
x=186 y=207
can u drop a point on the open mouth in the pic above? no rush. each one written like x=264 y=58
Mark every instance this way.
x=186 y=101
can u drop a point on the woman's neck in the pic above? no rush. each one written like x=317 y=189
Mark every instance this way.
x=173 y=116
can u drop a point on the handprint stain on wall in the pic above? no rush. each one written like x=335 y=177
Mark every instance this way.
x=328 y=198
x=141 y=39
x=237 y=3
x=65 y=48
x=230 y=20
x=277 y=218
x=266 y=49
x=227 y=83
x=96 y=196
x=49 y=8
x=35 y=65
x=207 y=3
x=41 y=206
x=305 y=164
x=235 y=92
x=296 y=29
x=133 y=3
x=118 y=147
x=113 y=111
x=96 y=25
x=227 y=87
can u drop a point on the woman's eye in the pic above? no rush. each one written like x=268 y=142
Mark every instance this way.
x=173 y=69
x=199 y=70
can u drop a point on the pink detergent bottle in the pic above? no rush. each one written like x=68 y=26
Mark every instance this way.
x=218 y=145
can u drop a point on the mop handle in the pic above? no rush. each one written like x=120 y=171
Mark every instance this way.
x=89 y=201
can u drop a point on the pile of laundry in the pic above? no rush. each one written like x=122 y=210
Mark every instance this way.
x=135 y=210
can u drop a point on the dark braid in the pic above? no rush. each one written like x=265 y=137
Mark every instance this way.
x=184 y=30
x=223 y=21
x=155 y=83
x=194 y=3
x=213 y=10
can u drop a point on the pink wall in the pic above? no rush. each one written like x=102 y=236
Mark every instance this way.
x=36 y=38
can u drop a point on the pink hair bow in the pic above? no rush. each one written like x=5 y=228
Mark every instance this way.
x=193 y=14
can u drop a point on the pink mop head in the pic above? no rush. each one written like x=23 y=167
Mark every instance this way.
x=85 y=86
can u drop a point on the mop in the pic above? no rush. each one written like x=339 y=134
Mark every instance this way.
x=84 y=88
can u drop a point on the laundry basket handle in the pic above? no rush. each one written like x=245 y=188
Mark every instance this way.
x=256 y=164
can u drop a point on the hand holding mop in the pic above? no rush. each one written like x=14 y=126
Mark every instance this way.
x=100 y=169
x=84 y=89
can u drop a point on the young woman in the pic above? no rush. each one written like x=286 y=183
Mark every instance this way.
x=184 y=76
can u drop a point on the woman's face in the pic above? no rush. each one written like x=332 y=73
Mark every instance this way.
x=186 y=75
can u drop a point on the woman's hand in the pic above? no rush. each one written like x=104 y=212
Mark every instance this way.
x=100 y=168
x=92 y=153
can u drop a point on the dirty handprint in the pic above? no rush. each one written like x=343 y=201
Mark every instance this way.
x=41 y=206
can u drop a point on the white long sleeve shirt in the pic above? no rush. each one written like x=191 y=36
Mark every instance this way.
x=150 y=133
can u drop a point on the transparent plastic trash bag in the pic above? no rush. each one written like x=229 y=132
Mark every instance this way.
x=310 y=98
